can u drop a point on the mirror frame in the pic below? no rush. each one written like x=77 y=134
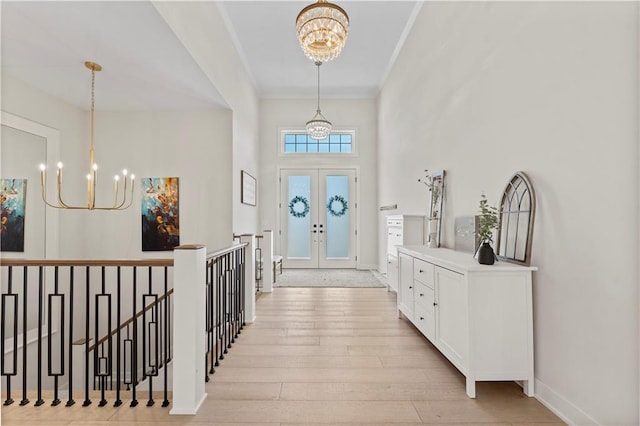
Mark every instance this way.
x=51 y=137
x=518 y=186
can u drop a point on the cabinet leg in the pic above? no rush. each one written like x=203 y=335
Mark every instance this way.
x=527 y=387
x=471 y=388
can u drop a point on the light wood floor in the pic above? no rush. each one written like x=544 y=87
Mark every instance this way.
x=336 y=356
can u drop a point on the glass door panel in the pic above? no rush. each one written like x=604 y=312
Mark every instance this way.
x=299 y=217
x=318 y=218
x=338 y=246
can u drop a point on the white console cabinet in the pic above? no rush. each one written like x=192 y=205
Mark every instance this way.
x=479 y=316
x=401 y=230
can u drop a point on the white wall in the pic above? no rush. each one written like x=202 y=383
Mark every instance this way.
x=486 y=89
x=193 y=145
x=285 y=114
x=201 y=28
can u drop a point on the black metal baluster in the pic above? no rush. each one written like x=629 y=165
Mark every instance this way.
x=25 y=307
x=102 y=362
x=227 y=343
x=208 y=359
x=234 y=297
x=128 y=355
x=87 y=401
x=70 y=400
x=60 y=371
x=236 y=254
x=236 y=276
x=165 y=403
x=153 y=368
x=3 y=337
x=134 y=345
x=118 y=401
x=217 y=310
x=40 y=401
x=243 y=284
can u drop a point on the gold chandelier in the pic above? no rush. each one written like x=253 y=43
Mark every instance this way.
x=322 y=30
x=92 y=176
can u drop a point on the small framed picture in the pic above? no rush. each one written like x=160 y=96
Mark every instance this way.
x=248 y=189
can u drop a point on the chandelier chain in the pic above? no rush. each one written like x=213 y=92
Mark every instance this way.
x=318 y=63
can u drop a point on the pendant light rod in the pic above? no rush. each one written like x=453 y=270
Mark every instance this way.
x=318 y=63
x=318 y=127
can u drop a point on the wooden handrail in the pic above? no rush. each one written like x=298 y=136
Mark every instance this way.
x=226 y=251
x=86 y=262
x=130 y=320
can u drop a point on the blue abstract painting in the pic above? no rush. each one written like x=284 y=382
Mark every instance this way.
x=160 y=216
x=12 y=206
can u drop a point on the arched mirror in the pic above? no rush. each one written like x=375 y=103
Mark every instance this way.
x=516 y=215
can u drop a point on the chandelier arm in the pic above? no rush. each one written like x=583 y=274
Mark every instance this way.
x=124 y=195
x=115 y=195
x=130 y=198
x=61 y=203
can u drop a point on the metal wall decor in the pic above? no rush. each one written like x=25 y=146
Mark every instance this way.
x=516 y=215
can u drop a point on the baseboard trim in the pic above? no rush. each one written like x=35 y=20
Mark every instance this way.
x=188 y=412
x=367 y=267
x=561 y=406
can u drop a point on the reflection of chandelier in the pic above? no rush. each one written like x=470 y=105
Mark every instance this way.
x=318 y=127
x=92 y=177
x=322 y=30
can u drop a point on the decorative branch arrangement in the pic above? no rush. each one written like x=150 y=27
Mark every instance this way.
x=435 y=182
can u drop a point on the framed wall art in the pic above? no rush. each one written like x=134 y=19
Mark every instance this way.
x=160 y=214
x=248 y=189
x=12 y=208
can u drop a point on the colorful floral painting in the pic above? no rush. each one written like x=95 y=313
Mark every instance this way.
x=160 y=217
x=12 y=205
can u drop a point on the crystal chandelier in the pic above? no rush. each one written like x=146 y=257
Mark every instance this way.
x=322 y=30
x=318 y=127
x=92 y=176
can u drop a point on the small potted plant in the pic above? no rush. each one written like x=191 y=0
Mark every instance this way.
x=487 y=222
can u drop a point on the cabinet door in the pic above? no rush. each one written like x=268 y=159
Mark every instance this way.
x=392 y=273
x=405 y=288
x=451 y=315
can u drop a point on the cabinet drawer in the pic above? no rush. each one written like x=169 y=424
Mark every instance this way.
x=394 y=222
x=423 y=272
x=424 y=314
x=394 y=238
x=424 y=294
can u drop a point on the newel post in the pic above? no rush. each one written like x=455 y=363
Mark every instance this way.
x=249 y=277
x=189 y=352
x=267 y=263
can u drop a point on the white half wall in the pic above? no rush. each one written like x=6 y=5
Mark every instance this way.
x=484 y=89
x=277 y=115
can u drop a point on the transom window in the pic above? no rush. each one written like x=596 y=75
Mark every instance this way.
x=336 y=143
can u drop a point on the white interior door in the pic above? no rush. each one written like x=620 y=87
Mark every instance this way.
x=318 y=218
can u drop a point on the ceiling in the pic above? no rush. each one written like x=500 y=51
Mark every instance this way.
x=146 y=67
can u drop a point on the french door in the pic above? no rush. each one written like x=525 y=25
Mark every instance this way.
x=318 y=218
